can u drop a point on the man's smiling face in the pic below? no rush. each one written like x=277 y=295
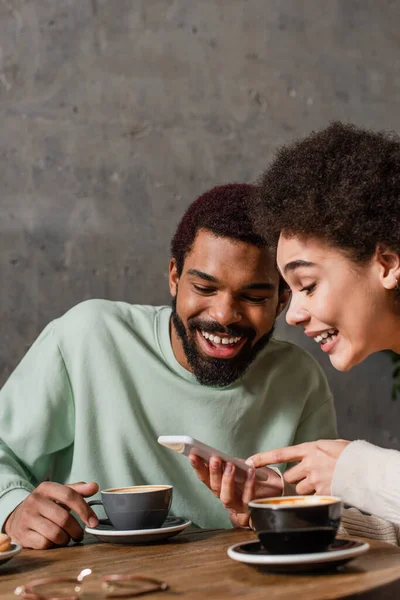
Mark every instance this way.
x=225 y=304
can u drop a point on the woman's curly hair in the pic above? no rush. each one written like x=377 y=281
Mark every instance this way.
x=341 y=184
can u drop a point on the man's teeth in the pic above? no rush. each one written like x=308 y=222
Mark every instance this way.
x=326 y=336
x=216 y=339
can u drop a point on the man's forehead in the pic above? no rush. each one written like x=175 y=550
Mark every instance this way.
x=207 y=243
x=221 y=257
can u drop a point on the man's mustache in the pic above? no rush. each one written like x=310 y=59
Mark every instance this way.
x=215 y=327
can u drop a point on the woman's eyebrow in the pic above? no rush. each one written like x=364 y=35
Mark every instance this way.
x=296 y=264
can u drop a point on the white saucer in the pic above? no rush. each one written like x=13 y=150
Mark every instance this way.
x=107 y=533
x=5 y=556
x=339 y=552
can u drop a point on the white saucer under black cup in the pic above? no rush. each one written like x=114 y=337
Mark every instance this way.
x=338 y=553
x=171 y=526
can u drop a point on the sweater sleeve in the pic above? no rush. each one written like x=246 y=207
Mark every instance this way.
x=368 y=477
x=356 y=523
x=36 y=421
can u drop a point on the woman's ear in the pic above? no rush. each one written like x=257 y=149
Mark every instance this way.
x=388 y=262
x=173 y=277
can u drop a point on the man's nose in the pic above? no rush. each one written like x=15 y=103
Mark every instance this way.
x=296 y=314
x=225 y=310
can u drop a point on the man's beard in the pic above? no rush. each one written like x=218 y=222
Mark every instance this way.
x=208 y=370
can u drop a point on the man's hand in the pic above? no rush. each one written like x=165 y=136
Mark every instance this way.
x=43 y=519
x=219 y=477
x=315 y=468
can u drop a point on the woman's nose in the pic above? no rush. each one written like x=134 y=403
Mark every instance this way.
x=296 y=314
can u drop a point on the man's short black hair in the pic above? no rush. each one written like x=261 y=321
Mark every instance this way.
x=341 y=184
x=224 y=211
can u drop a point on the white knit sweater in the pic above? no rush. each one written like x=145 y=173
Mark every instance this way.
x=368 y=478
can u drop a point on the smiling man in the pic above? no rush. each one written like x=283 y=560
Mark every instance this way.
x=229 y=307
x=102 y=382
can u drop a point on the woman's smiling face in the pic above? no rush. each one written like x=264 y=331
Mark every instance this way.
x=345 y=307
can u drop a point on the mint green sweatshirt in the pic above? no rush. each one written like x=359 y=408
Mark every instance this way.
x=101 y=383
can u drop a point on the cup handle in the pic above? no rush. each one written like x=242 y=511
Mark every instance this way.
x=99 y=503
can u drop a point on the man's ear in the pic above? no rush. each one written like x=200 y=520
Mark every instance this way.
x=282 y=302
x=173 y=277
x=388 y=263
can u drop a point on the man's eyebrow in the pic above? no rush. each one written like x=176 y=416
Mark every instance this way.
x=249 y=286
x=296 y=264
x=202 y=275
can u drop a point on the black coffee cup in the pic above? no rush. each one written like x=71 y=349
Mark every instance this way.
x=296 y=524
x=136 y=507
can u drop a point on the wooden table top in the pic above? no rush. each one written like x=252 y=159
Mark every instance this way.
x=195 y=565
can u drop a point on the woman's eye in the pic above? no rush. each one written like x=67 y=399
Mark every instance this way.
x=308 y=289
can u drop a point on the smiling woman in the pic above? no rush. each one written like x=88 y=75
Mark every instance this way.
x=321 y=282
x=331 y=201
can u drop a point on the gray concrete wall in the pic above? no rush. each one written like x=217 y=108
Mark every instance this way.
x=115 y=114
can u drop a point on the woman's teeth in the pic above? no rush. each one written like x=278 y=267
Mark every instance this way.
x=326 y=336
x=216 y=339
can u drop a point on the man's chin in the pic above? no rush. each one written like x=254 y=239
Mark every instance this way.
x=216 y=371
x=211 y=370
x=218 y=374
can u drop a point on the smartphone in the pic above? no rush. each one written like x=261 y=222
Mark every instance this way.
x=185 y=444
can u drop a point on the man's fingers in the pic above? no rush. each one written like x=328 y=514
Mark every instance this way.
x=33 y=539
x=227 y=493
x=249 y=489
x=43 y=519
x=215 y=465
x=295 y=474
x=61 y=518
x=280 y=455
x=70 y=498
x=50 y=531
x=84 y=489
x=200 y=468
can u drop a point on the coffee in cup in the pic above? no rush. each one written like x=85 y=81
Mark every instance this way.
x=136 y=507
x=296 y=524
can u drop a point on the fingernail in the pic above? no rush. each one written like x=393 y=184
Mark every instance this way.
x=214 y=464
x=93 y=522
x=228 y=469
x=250 y=462
x=251 y=473
x=192 y=461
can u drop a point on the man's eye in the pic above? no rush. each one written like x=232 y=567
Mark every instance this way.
x=203 y=290
x=255 y=300
x=308 y=289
